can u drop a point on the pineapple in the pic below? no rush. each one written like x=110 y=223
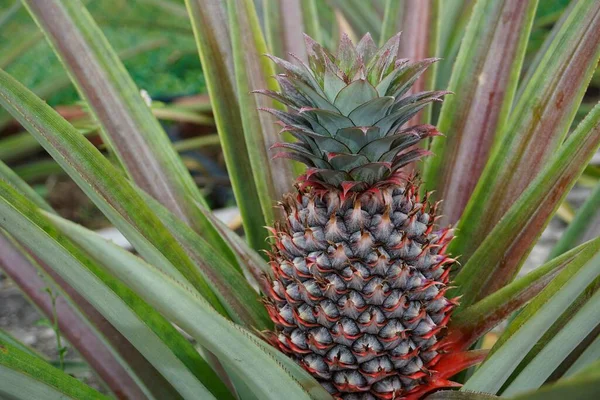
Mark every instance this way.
x=360 y=270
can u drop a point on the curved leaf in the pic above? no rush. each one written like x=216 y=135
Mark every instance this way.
x=245 y=354
x=151 y=334
x=529 y=326
x=498 y=259
x=577 y=323
x=536 y=129
x=583 y=386
x=127 y=122
x=114 y=195
x=108 y=353
x=484 y=80
x=211 y=31
x=272 y=177
x=25 y=376
x=468 y=324
x=591 y=354
x=242 y=302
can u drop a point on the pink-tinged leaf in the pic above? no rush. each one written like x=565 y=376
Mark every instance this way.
x=285 y=27
x=273 y=177
x=25 y=273
x=418 y=42
x=496 y=262
x=484 y=81
x=211 y=30
x=537 y=126
x=104 y=184
x=152 y=335
x=128 y=125
x=469 y=324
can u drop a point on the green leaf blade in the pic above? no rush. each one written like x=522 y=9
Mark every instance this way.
x=537 y=127
x=172 y=354
x=273 y=177
x=25 y=376
x=211 y=31
x=529 y=326
x=484 y=81
x=128 y=125
x=468 y=324
x=498 y=259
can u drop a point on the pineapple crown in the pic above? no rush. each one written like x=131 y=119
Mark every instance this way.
x=347 y=112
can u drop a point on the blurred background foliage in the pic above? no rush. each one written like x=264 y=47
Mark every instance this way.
x=158 y=47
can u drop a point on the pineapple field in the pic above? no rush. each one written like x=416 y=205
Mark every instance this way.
x=300 y=199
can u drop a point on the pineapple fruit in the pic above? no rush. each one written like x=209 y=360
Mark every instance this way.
x=360 y=269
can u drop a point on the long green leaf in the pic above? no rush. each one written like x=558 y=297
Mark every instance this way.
x=498 y=259
x=453 y=18
x=529 y=326
x=454 y=395
x=115 y=360
x=120 y=201
x=11 y=177
x=537 y=126
x=248 y=356
x=591 y=354
x=242 y=302
x=312 y=26
x=120 y=366
x=468 y=324
x=252 y=263
x=127 y=122
x=582 y=225
x=581 y=321
x=391 y=19
x=27 y=377
x=60 y=80
x=103 y=184
x=583 y=386
x=273 y=177
x=211 y=31
x=7 y=338
x=484 y=81
x=152 y=335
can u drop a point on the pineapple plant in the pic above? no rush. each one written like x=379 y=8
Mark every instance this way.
x=360 y=269
x=360 y=290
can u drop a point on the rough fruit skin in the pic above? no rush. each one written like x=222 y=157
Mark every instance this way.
x=358 y=289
